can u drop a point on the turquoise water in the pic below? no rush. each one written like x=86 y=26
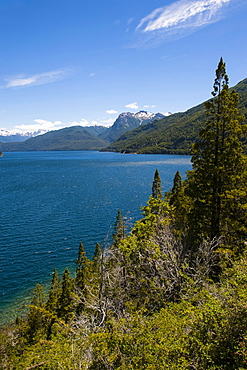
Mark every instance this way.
x=50 y=201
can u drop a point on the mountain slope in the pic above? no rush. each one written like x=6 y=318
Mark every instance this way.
x=70 y=138
x=9 y=137
x=96 y=130
x=127 y=122
x=172 y=134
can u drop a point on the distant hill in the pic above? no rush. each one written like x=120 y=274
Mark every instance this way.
x=127 y=122
x=9 y=137
x=77 y=137
x=96 y=130
x=173 y=134
x=69 y=138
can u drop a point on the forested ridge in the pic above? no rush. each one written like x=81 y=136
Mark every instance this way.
x=173 y=134
x=169 y=294
x=69 y=138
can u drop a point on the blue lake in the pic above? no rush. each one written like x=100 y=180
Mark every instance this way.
x=50 y=201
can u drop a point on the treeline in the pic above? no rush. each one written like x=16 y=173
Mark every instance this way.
x=171 y=294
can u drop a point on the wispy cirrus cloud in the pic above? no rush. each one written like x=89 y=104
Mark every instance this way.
x=181 y=18
x=38 y=79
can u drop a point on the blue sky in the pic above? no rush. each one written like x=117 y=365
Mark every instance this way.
x=69 y=62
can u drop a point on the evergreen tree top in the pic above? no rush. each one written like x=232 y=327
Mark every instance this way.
x=156 y=188
x=221 y=81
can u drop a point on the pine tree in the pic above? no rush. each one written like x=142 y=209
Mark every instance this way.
x=55 y=290
x=97 y=257
x=176 y=189
x=86 y=274
x=119 y=229
x=66 y=297
x=217 y=182
x=178 y=204
x=156 y=188
x=156 y=204
x=36 y=321
x=82 y=262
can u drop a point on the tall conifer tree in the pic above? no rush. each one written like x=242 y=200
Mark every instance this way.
x=52 y=302
x=82 y=262
x=36 y=320
x=66 y=298
x=119 y=229
x=178 y=204
x=217 y=182
x=156 y=188
x=156 y=203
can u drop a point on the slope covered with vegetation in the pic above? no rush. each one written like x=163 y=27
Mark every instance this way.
x=172 y=293
x=69 y=138
x=173 y=134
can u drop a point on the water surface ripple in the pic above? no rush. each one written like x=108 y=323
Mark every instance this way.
x=50 y=201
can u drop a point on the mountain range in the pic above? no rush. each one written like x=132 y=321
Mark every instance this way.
x=173 y=134
x=7 y=137
x=76 y=137
x=69 y=138
x=129 y=121
x=140 y=132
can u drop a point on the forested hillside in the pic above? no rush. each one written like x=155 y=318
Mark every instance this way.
x=69 y=138
x=173 y=134
x=172 y=293
x=78 y=137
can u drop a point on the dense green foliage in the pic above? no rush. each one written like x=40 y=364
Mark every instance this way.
x=70 y=138
x=142 y=304
x=172 y=293
x=173 y=134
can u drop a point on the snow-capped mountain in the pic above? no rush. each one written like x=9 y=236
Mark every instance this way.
x=144 y=116
x=12 y=136
x=125 y=122
x=128 y=121
x=15 y=136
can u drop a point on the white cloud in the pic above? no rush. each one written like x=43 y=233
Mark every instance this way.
x=149 y=106
x=107 y=122
x=132 y=106
x=82 y=122
x=38 y=79
x=41 y=125
x=92 y=74
x=182 y=18
x=111 y=111
x=21 y=82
